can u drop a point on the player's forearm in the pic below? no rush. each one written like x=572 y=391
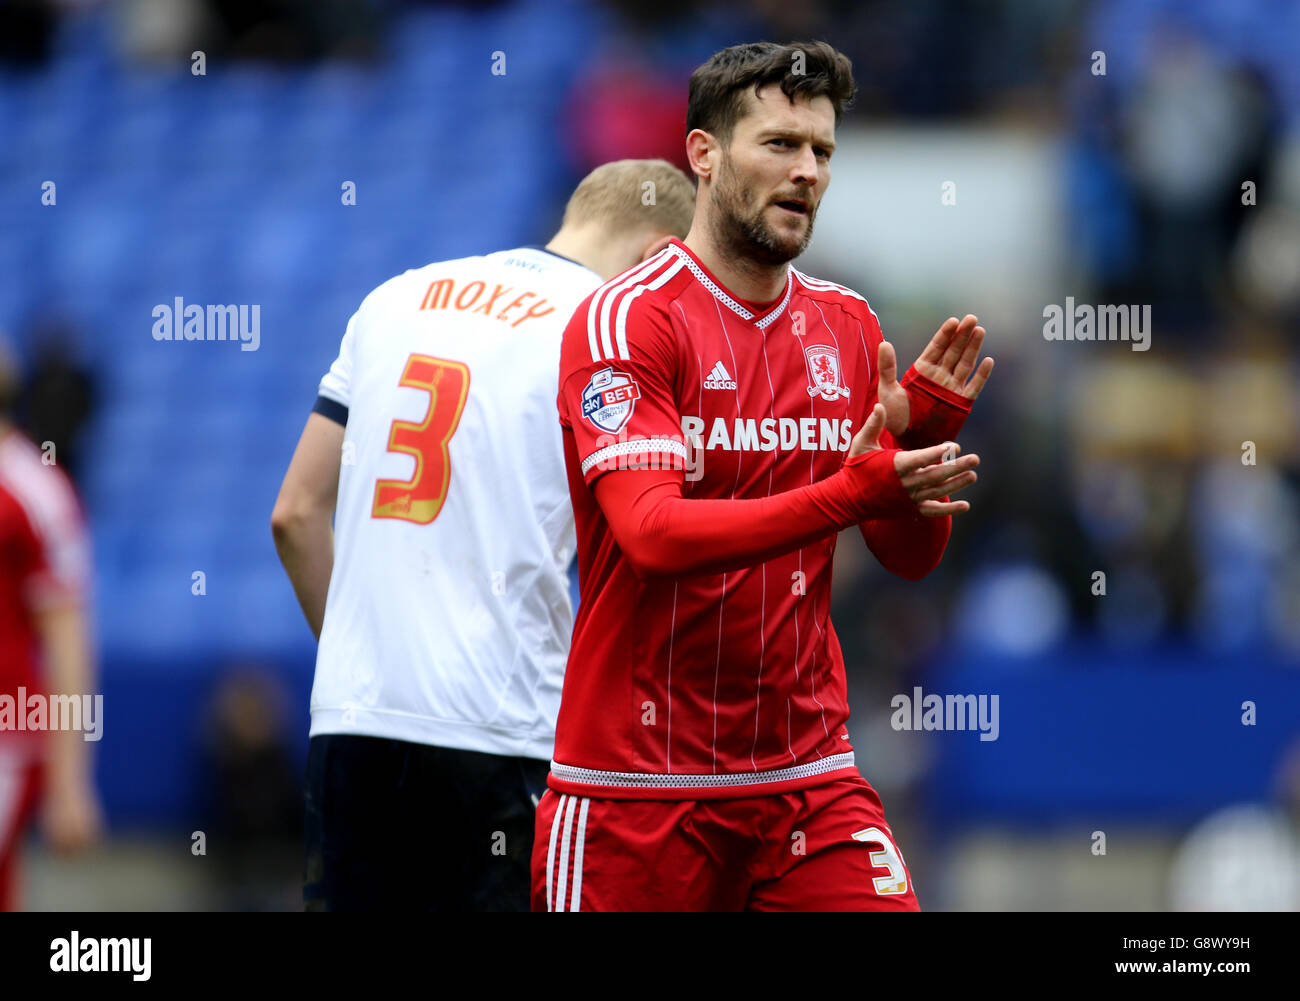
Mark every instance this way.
x=66 y=664
x=908 y=547
x=912 y=546
x=302 y=521
x=664 y=534
x=305 y=542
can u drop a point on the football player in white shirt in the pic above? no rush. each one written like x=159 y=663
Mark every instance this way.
x=440 y=595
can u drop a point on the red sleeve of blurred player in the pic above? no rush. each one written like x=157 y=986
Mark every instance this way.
x=44 y=552
x=24 y=563
x=60 y=573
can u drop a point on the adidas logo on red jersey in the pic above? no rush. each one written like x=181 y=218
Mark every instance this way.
x=719 y=378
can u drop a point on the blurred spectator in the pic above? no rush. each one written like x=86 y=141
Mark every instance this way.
x=26 y=31
x=295 y=30
x=45 y=584
x=1196 y=127
x=273 y=30
x=1244 y=858
x=1245 y=533
x=624 y=108
x=163 y=30
x=255 y=830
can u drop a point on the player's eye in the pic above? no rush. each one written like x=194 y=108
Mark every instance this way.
x=822 y=153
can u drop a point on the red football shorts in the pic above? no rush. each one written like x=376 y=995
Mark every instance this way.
x=822 y=848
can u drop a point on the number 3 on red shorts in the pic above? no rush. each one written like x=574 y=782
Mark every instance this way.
x=889 y=857
x=420 y=498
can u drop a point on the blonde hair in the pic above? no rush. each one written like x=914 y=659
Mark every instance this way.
x=625 y=194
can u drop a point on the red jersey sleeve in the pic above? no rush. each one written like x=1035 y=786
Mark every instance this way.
x=44 y=535
x=60 y=571
x=662 y=532
x=619 y=365
x=937 y=414
x=21 y=546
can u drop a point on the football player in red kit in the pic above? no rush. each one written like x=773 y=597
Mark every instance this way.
x=724 y=418
x=44 y=648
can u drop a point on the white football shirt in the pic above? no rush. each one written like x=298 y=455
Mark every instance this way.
x=448 y=616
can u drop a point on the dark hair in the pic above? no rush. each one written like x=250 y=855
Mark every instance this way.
x=718 y=87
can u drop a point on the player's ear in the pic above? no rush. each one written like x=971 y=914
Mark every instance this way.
x=699 y=146
x=656 y=244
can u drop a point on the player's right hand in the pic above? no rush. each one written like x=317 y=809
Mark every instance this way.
x=926 y=473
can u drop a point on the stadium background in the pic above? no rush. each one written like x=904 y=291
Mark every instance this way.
x=1119 y=713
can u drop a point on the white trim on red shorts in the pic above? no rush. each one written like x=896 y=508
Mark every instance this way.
x=696 y=780
x=572 y=836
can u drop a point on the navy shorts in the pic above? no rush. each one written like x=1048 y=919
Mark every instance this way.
x=397 y=826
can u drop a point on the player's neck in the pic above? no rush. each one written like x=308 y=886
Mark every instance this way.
x=592 y=253
x=744 y=277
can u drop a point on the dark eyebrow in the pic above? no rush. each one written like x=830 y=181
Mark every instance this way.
x=768 y=134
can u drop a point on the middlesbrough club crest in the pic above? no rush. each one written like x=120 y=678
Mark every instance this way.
x=824 y=372
x=609 y=399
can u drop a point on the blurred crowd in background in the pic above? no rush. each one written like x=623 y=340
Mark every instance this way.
x=1173 y=130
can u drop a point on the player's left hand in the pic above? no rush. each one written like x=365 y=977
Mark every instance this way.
x=948 y=360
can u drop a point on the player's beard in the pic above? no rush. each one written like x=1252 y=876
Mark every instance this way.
x=739 y=228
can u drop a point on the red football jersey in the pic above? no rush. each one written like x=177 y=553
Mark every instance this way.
x=720 y=684
x=44 y=559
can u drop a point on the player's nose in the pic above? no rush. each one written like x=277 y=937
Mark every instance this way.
x=804 y=170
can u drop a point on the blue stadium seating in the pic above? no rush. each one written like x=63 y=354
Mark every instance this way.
x=226 y=188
